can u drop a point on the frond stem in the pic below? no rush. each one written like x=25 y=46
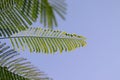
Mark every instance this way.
x=40 y=37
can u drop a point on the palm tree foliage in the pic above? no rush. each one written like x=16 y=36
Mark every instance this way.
x=46 y=40
x=16 y=15
x=15 y=18
x=13 y=67
x=7 y=75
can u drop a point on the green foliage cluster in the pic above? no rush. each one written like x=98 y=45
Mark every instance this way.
x=15 y=18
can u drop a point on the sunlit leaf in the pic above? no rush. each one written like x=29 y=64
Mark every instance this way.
x=46 y=40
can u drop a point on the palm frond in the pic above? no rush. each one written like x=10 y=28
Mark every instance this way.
x=45 y=40
x=16 y=15
x=47 y=11
x=5 y=74
x=13 y=67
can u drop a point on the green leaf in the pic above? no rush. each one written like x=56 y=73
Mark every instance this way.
x=16 y=15
x=13 y=67
x=48 y=9
x=46 y=40
x=5 y=74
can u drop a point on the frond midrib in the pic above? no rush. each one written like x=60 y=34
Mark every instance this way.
x=41 y=37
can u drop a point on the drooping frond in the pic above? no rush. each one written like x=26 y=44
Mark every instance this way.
x=47 y=11
x=46 y=40
x=10 y=18
x=13 y=67
x=16 y=15
x=5 y=74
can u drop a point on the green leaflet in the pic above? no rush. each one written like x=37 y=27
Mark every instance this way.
x=16 y=15
x=46 y=40
x=5 y=74
x=5 y=4
x=10 y=20
x=13 y=67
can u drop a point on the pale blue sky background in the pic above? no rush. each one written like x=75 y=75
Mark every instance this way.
x=99 y=22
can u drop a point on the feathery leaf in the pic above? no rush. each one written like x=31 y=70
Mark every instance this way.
x=16 y=15
x=13 y=67
x=45 y=40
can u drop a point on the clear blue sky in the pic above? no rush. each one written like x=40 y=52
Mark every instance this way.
x=99 y=22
